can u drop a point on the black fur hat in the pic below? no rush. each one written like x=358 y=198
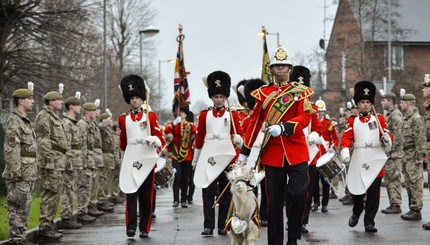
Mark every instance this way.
x=133 y=85
x=185 y=109
x=250 y=86
x=190 y=117
x=218 y=82
x=303 y=72
x=364 y=90
x=240 y=96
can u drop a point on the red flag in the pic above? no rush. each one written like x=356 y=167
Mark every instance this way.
x=180 y=88
x=266 y=76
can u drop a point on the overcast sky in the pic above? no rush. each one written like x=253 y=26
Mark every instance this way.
x=222 y=35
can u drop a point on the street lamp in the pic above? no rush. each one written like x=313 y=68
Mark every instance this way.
x=271 y=33
x=150 y=31
x=159 y=79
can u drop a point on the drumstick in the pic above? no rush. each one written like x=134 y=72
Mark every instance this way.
x=220 y=195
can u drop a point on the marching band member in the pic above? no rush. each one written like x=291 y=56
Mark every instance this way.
x=330 y=139
x=364 y=133
x=139 y=128
x=285 y=108
x=184 y=133
x=214 y=151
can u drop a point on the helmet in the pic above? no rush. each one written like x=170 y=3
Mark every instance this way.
x=280 y=57
x=321 y=105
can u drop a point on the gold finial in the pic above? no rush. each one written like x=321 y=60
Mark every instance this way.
x=181 y=36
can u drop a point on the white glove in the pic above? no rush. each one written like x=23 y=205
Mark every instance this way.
x=387 y=140
x=275 y=130
x=153 y=140
x=345 y=155
x=195 y=157
x=237 y=140
x=242 y=158
x=177 y=120
x=313 y=138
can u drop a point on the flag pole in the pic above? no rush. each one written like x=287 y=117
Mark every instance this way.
x=180 y=38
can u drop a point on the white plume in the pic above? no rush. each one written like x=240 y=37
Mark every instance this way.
x=78 y=95
x=60 y=88
x=349 y=105
x=427 y=78
x=382 y=92
x=241 y=90
x=205 y=81
x=97 y=103
x=30 y=86
x=402 y=92
x=353 y=103
x=108 y=111
x=341 y=110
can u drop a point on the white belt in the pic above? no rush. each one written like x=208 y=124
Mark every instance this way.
x=212 y=136
x=367 y=145
x=135 y=141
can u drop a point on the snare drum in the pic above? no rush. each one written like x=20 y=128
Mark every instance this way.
x=165 y=175
x=329 y=165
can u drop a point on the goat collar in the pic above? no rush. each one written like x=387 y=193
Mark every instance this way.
x=247 y=182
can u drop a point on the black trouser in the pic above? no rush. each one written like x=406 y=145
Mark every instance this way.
x=191 y=186
x=325 y=187
x=263 y=199
x=209 y=200
x=313 y=172
x=182 y=175
x=144 y=196
x=276 y=181
x=372 y=202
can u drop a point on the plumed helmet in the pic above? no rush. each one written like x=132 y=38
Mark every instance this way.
x=218 y=82
x=133 y=85
x=239 y=89
x=364 y=90
x=280 y=57
x=250 y=86
x=321 y=105
x=301 y=74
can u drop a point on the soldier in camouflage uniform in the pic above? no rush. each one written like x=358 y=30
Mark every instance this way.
x=108 y=148
x=85 y=178
x=52 y=143
x=393 y=166
x=426 y=95
x=99 y=177
x=116 y=192
x=414 y=147
x=20 y=171
x=74 y=162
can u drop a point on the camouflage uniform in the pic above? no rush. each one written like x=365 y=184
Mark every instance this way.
x=98 y=177
x=427 y=125
x=73 y=166
x=52 y=142
x=20 y=172
x=85 y=179
x=414 y=147
x=108 y=148
x=393 y=166
x=117 y=162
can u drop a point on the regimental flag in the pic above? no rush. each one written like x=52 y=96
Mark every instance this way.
x=181 y=89
x=266 y=76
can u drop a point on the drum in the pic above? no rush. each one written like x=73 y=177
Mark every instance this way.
x=165 y=176
x=329 y=165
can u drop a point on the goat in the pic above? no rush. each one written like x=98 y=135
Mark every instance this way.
x=243 y=220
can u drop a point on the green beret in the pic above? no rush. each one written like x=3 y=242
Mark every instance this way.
x=73 y=101
x=408 y=97
x=104 y=116
x=53 y=95
x=89 y=106
x=389 y=95
x=22 y=93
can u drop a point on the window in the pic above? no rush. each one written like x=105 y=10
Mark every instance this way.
x=396 y=57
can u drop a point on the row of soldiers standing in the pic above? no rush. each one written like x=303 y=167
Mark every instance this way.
x=73 y=158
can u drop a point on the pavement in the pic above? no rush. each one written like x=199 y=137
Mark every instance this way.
x=184 y=225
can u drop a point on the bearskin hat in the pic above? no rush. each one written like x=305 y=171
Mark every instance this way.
x=133 y=85
x=364 y=90
x=190 y=117
x=301 y=73
x=218 y=82
x=250 y=86
x=185 y=109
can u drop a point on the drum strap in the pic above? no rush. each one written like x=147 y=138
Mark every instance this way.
x=180 y=152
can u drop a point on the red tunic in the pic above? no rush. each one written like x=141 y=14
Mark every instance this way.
x=155 y=128
x=177 y=132
x=294 y=147
x=201 y=128
x=315 y=127
x=348 y=136
x=328 y=133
